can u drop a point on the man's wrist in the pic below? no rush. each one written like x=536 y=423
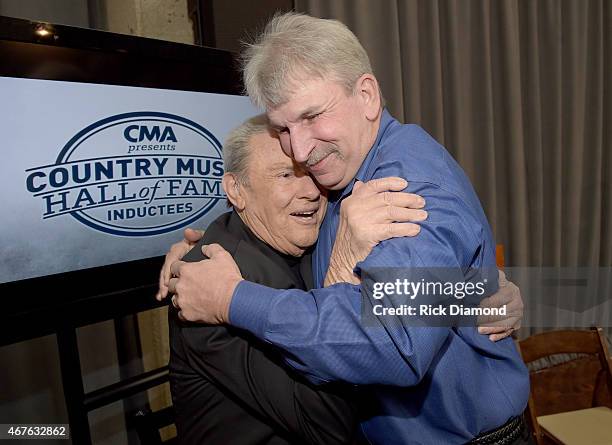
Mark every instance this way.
x=331 y=276
x=340 y=270
x=250 y=307
x=225 y=311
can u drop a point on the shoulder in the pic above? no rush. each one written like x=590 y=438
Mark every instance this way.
x=220 y=232
x=410 y=152
x=254 y=265
x=456 y=224
x=225 y=232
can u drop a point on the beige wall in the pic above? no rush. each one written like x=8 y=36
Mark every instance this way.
x=157 y=19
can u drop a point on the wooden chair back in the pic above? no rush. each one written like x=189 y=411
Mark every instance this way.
x=582 y=382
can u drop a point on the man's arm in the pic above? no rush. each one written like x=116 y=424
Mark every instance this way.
x=321 y=331
x=367 y=217
x=361 y=228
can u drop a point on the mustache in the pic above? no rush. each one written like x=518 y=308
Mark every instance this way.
x=320 y=153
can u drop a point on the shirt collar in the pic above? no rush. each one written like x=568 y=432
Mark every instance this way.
x=362 y=174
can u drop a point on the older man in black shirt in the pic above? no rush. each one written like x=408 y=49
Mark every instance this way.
x=229 y=387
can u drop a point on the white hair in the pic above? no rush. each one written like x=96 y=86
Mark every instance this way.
x=294 y=47
x=236 y=147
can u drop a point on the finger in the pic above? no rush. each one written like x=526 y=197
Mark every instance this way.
x=487 y=330
x=494 y=320
x=172 y=285
x=496 y=333
x=400 y=214
x=498 y=300
x=175 y=301
x=498 y=337
x=391 y=183
x=511 y=321
x=192 y=235
x=212 y=250
x=495 y=323
x=503 y=281
x=181 y=316
x=508 y=297
x=165 y=272
x=403 y=199
x=512 y=289
x=164 y=277
x=175 y=268
x=177 y=251
x=357 y=186
x=168 y=269
x=162 y=290
x=397 y=230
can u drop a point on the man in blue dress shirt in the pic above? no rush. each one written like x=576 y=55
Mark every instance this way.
x=435 y=385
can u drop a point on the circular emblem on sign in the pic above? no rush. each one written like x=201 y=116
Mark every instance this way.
x=133 y=174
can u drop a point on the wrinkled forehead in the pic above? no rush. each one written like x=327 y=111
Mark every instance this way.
x=287 y=84
x=282 y=81
x=304 y=98
x=265 y=153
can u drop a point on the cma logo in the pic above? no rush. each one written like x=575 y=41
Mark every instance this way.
x=138 y=133
x=141 y=191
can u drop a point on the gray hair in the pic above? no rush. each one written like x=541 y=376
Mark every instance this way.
x=236 y=147
x=292 y=46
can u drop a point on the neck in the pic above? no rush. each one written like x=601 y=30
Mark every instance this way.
x=371 y=133
x=259 y=229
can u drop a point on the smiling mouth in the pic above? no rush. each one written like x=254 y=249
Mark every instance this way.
x=306 y=215
x=320 y=165
x=316 y=160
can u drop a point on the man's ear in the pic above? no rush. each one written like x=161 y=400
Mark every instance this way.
x=234 y=190
x=368 y=91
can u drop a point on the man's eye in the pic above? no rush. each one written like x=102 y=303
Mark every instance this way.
x=286 y=175
x=312 y=116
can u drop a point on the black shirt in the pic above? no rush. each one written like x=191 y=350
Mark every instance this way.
x=230 y=388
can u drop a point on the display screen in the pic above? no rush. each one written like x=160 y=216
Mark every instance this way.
x=111 y=145
x=105 y=174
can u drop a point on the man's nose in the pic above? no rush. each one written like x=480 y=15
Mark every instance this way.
x=301 y=144
x=308 y=189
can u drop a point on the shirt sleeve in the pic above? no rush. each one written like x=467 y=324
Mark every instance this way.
x=321 y=331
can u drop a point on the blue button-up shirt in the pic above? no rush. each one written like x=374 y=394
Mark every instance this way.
x=438 y=385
